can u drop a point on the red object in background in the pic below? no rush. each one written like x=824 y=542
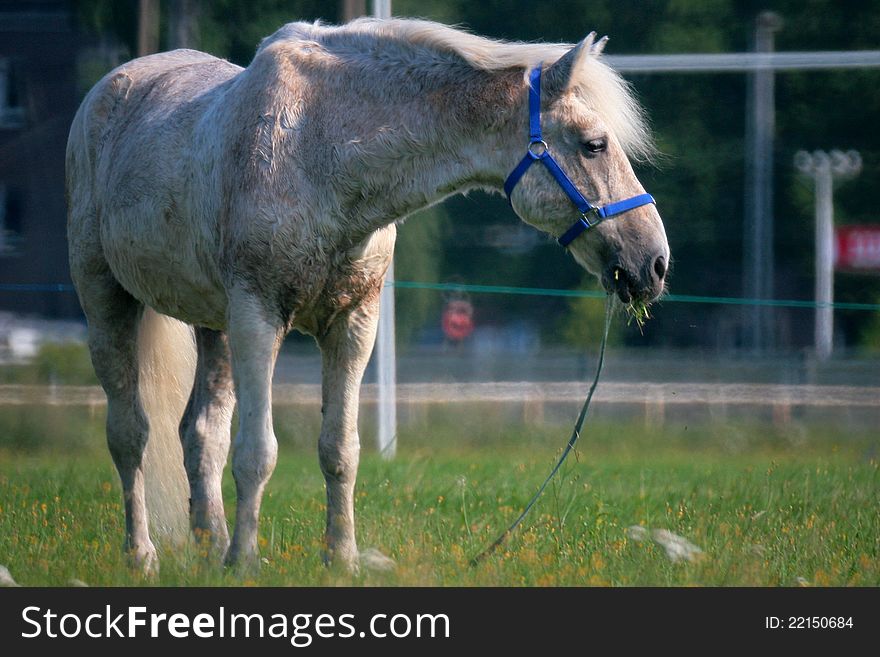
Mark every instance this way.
x=857 y=248
x=458 y=320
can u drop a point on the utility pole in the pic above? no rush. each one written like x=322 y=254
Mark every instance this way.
x=183 y=23
x=823 y=168
x=386 y=353
x=758 y=238
x=351 y=9
x=148 y=27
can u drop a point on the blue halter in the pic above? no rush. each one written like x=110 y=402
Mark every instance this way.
x=539 y=151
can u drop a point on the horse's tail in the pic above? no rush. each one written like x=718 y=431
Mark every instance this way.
x=166 y=368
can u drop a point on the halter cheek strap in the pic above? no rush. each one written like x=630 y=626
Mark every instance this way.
x=538 y=151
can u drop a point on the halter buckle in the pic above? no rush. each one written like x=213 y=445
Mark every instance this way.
x=537 y=149
x=594 y=213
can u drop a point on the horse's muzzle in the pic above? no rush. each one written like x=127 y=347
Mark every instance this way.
x=645 y=286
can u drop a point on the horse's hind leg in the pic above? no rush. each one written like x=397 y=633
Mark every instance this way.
x=113 y=316
x=204 y=433
x=345 y=351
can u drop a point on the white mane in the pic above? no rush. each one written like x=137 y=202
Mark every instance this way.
x=419 y=42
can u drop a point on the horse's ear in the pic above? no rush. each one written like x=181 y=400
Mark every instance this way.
x=558 y=76
x=599 y=46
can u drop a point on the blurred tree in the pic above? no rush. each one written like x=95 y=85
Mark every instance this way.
x=418 y=256
x=350 y=9
x=118 y=20
x=582 y=325
x=869 y=337
x=234 y=28
x=183 y=23
x=147 y=27
x=227 y=28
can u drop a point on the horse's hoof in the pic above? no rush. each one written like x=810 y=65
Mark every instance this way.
x=144 y=559
x=212 y=546
x=242 y=564
x=374 y=561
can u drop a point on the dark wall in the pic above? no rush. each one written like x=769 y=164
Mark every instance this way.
x=39 y=45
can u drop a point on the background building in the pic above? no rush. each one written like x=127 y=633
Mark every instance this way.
x=38 y=98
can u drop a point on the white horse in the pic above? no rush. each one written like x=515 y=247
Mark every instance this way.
x=249 y=202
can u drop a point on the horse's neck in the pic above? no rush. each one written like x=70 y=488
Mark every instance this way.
x=465 y=139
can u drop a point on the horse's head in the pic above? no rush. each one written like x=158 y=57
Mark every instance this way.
x=590 y=123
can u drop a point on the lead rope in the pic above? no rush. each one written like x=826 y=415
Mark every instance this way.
x=575 y=434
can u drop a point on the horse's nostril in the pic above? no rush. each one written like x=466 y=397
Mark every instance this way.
x=660 y=267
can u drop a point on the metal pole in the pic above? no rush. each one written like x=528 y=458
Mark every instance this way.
x=823 y=167
x=744 y=62
x=386 y=357
x=382 y=8
x=758 y=242
x=386 y=360
x=824 y=329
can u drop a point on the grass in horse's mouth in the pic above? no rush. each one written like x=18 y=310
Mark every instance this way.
x=637 y=311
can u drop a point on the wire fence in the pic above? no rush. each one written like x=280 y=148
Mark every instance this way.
x=539 y=291
x=672 y=298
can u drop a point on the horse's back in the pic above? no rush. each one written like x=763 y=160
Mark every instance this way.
x=134 y=159
x=145 y=87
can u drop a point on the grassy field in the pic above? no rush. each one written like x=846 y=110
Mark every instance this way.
x=768 y=507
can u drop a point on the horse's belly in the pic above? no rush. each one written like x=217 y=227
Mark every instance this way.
x=169 y=275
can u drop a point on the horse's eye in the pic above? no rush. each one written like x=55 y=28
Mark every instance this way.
x=596 y=145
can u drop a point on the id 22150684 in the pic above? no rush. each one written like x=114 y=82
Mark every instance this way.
x=808 y=622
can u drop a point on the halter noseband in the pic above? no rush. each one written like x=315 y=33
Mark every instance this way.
x=539 y=151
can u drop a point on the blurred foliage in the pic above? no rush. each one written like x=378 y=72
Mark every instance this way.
x=417 y=257
x=61 y=363
x=116 y=20
x=869 y=339
x=583 y=324
x=699 y=120
x=65 y=363
x=234 y=28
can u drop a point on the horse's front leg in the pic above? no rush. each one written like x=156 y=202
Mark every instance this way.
x=254 y=339
x=345 y=351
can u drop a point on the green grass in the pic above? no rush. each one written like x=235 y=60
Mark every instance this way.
x=768 y=507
